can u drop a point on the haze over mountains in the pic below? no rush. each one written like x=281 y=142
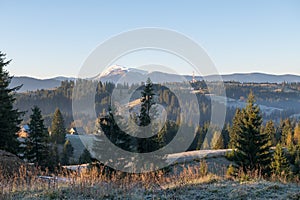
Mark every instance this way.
x=131 y=75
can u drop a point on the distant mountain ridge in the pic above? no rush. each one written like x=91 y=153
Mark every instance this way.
x=122 y=74
x=32 y=84
x=257 y=77
x=131 y=75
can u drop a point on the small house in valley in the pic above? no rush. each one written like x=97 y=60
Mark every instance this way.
x=76 y=131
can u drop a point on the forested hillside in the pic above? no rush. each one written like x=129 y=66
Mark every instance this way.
x=277 y=101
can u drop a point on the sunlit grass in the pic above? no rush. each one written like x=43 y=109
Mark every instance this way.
x=94 y=183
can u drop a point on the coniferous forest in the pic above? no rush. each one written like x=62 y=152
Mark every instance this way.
x=260 y=143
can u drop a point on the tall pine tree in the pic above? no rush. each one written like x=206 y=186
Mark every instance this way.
x=37 y=143
x=147 y=102
x=252 y=147
x=9 y=116
x=235 y=128
x=151 y=143
x=58 y=130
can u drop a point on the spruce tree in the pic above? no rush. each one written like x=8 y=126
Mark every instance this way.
x=9 y=116
x=37 y=147
x=143 y=118
x=252 y=147
x=235 y=128
x=280 y=165
x=271 y=131
x=150 y=143
x=147 y=101
x=58 y=130
x=146 y=144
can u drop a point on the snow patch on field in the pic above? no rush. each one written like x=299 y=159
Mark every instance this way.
x=233 y=103
x=190 y=156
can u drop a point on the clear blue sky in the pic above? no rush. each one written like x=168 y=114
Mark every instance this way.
x=53 y=38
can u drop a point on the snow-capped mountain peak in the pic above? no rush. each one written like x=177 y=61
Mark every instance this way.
x=114 y=70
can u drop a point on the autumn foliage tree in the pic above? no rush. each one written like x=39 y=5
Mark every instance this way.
x=286 y=133
x=297 y=134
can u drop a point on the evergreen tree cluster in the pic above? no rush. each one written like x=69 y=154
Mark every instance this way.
x=36 y=148
x=252 y=142
x=252 y=146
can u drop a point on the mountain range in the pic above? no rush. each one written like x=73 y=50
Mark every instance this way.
x=121 y=74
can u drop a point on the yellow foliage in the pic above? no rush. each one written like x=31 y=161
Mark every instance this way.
x=297 y=134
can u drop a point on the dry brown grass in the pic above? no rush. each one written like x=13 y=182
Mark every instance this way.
x=94 y=182
x=188 y=183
